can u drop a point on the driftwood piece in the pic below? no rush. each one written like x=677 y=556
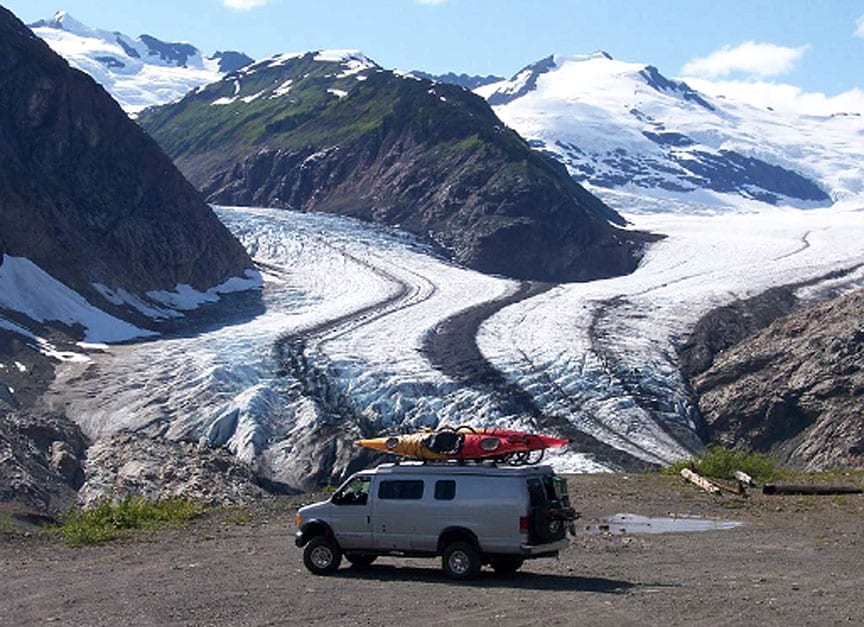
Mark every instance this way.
x=738 y=490
x=771 y=488
x=699 y=480
x=745 y=479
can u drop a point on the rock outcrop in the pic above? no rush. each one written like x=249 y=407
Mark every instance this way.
x=725 y=326
x=133 y=464
x=41 y=459
x=795 y=388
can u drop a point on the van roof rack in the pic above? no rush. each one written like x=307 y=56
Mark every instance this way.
x=444 y=462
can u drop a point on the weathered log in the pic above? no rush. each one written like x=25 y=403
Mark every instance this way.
x=738 y=490
x=771 y=488
x=699 y=480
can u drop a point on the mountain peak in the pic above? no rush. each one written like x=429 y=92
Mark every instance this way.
x=620 y=125
x=86 y=197
x=353 y=61
x=392 y=148
x=138 y=72
x=339 y=55
x=63 y=21
x=591 y=56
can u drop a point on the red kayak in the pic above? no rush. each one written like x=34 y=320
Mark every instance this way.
x=464 y=443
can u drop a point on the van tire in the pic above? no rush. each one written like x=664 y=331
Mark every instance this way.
x=548 y=529
x=506 y=565
x=322 y=556
x=461 y=560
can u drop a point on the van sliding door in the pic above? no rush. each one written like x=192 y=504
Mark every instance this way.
x=396 y=514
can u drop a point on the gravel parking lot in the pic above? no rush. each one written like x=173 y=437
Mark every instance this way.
x=795 y=560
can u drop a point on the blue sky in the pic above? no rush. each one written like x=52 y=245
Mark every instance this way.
x=817 y=46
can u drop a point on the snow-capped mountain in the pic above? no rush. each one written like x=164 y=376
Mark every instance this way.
x=644 y=142
x=138 y=72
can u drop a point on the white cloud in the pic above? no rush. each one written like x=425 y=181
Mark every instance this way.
x=244 y=5
x=431 y=2
x=859 y=27
x=752 y=58
x=781 y=96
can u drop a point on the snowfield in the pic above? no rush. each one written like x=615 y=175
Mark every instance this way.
x=341 y=350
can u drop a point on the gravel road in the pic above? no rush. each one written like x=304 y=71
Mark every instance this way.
x=795 y=560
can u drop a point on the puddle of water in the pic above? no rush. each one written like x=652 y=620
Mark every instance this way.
x=621 y=524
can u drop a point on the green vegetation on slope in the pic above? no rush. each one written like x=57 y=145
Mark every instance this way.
x=303 y=105
x=721 y=463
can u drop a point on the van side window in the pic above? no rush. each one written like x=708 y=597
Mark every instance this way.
x=402 y=489
x=445 y=490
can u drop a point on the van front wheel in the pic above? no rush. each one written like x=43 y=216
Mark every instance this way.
x=322 y=556
x=461 y=561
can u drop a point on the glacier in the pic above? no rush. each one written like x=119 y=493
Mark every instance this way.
x=353 y=310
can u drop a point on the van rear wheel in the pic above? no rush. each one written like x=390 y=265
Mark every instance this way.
x=322 y=556
x=461 y=561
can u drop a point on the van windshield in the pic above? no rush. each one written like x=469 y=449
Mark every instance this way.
x=354 y=492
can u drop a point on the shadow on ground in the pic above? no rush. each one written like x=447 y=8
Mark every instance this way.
x=488 y=579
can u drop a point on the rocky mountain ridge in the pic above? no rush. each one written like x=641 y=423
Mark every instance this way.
x=92 y=214
x=467 y=81
x=86 y=195
x=333 y=131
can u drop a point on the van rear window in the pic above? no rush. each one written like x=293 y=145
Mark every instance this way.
x=536 y=493
x=404 y=489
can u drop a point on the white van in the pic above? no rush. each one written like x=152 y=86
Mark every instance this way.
x=469 y=514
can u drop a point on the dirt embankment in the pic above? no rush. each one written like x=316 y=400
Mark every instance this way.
x=794 y=561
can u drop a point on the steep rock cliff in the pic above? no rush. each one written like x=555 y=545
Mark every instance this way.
x=85 y=194
x=795 y=388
